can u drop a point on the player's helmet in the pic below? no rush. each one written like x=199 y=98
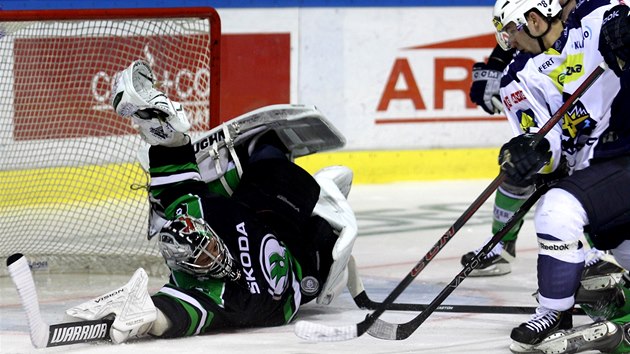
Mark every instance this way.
x=190 y=245
x=506 y=11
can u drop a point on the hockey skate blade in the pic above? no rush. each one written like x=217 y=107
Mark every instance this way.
x=582 y=338
x=520 y=348
x=320 y=333
x=492 y=271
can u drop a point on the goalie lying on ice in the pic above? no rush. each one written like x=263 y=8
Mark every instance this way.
x=249 y=259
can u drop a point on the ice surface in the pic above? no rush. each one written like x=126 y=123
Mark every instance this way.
x=398 y=224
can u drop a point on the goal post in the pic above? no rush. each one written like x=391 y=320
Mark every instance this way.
x=73 y=197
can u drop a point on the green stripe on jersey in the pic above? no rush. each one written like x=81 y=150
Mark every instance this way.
x=193 y=206
x=289 y=309
x=213 y=288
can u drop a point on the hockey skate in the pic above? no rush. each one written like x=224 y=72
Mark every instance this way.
x=131 y=306
x=600 y=263
x=542 y=324
x=496 y=262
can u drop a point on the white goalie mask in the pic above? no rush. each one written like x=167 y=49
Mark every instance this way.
x=515 y=11
x=134 y=94
x=190 y=245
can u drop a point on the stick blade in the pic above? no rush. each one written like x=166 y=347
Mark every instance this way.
x=320 y=333
x=383 y=330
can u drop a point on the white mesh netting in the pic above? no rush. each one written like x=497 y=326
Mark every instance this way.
x=67 y=162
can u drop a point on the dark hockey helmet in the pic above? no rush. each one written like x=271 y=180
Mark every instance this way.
x=190 y=245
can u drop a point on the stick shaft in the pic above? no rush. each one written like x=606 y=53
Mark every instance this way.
x=404 y=330
x=42 y=334
x=363 y=301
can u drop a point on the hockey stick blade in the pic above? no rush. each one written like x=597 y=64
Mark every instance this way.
x=363 y=301
x=363 y=326
x=42 y=334
x=315 y=332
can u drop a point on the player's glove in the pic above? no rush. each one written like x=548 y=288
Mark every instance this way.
x=520 y=160
x=486 y=81
x=614 y=39
x=159 y=120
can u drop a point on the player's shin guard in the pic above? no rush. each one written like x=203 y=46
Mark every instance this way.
x=508 y=199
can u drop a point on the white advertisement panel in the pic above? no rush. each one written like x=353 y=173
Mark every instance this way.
x=388 y=78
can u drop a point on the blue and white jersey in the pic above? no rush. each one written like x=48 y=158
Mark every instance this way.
x=595 y=126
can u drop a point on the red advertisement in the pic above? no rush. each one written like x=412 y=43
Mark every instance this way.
x=62 y=86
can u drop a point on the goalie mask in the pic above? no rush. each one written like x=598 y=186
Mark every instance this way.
x=190 y=245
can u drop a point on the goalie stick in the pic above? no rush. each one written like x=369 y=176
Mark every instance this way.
x=317 y=332
x=42 y=334
x=363 y=301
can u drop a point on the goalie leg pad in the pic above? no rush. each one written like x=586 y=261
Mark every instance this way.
x=130 y=304
x=334 y=208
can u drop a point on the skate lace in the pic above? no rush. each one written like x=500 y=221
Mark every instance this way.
x=496 y=251
x=542 y=320
x=593 y=256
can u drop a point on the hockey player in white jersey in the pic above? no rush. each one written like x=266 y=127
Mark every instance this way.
x=486 y=82
x=593 y=142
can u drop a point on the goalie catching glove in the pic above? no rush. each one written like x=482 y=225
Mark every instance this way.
x=159 y=120
x=520 y=159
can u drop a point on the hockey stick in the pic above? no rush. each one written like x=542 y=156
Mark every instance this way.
x=363 y=301
x=386 y=330
x=313 y=331
x=42 y=334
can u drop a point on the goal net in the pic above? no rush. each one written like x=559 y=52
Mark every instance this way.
x=72 y=196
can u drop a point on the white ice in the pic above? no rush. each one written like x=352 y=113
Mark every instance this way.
x=398 y=225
